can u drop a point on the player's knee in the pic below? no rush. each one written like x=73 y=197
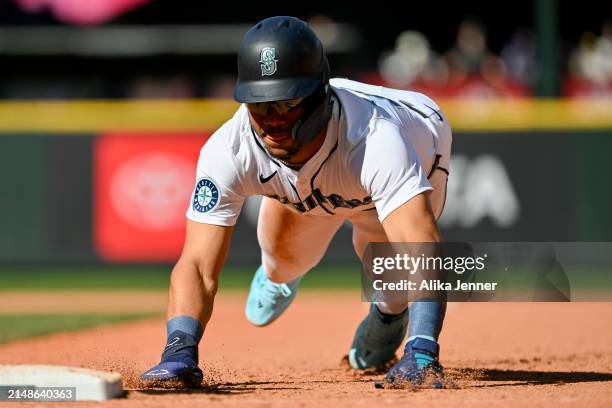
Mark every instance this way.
x=285 y=268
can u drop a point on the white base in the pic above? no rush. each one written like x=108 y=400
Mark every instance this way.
x=91 y=385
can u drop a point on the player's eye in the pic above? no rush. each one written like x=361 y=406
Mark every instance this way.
x=282 y=107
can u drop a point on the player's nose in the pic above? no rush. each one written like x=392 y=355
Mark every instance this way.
x=273 y=118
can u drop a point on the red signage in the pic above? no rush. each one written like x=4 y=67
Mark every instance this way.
x=81 y=12
x=142 y=186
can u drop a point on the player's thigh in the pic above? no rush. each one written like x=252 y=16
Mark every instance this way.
x=292 y=243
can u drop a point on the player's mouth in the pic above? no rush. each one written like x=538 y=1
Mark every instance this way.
x=277 y=137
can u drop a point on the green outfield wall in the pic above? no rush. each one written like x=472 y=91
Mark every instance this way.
x=522 y=171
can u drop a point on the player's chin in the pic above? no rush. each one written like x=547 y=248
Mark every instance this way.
x=281 y=152
x=277 y=153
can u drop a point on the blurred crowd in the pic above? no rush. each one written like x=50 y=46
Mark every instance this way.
x=470 y=69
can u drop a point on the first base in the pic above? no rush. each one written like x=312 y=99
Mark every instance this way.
x=57 y=383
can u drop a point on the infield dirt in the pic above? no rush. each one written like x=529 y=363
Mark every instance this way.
x=497 y=355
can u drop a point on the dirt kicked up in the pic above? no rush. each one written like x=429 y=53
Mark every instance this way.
x=497 y=355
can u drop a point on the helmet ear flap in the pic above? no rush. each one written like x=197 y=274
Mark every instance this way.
x=296 y=129
x=306 y=130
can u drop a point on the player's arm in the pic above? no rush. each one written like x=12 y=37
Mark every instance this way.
x=195 y=277
x=214 y=207
x=398 y=185
x=413 y=221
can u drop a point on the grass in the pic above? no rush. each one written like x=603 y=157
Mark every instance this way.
x=14 y=327
x=156 y=278
x=341 y=277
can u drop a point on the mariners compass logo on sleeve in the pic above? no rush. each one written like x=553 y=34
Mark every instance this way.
x=268 y=61
x=206 y=195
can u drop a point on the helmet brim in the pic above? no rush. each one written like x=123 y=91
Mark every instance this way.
x=275 y=89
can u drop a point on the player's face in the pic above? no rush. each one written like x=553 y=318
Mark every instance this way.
x=273 y=122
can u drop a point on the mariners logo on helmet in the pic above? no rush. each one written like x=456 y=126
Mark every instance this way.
x=268 y=61
x=206 y=195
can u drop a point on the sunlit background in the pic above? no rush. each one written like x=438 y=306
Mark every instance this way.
x=106 y=103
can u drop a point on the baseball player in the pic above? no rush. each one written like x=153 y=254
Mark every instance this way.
x=320 y=152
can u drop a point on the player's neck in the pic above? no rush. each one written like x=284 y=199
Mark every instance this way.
x=307 y=151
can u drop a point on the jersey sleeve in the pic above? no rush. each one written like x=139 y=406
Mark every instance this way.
x=391 y=171
x=217 y=197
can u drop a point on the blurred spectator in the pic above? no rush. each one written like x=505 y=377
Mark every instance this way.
x=475 y=71
x=470 y=50
x=519 y=56
x=411 y=58
x=590 y=65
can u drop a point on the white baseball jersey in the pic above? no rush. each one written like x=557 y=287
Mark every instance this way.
x=380 y=146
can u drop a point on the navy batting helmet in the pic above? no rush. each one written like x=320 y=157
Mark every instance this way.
x=281 y=58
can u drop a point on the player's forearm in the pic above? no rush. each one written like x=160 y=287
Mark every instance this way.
x=195 y=276
x=192 y=291
x=413 y=222
x=428 y=233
